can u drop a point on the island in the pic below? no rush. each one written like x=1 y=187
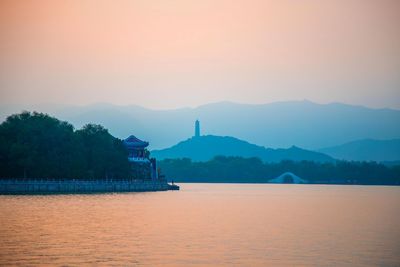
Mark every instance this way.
x=41 y=155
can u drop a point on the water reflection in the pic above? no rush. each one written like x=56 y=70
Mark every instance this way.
x=206 y=224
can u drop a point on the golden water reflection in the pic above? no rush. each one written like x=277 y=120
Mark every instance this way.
x=206 y=224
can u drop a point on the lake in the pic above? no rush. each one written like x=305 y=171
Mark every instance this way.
x=206 y=224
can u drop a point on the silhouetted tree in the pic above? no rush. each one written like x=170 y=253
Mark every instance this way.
x=35 y=145
x=253 y=170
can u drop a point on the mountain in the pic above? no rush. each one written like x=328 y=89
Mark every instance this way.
x=280 y=124
x=366 y=150
x=206 y=147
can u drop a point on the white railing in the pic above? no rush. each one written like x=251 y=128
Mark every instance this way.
x=133 y=159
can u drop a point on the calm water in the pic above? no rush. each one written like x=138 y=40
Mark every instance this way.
x=206 y=224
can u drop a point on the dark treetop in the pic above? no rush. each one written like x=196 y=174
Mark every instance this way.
x=35 y=145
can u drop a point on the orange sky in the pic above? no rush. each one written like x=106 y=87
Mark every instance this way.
x=167 y=54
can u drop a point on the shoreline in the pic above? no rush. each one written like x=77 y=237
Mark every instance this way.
x=35 y=186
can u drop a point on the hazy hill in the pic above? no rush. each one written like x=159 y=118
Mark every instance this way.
x=281 y=124
x=204 y=148
x=366 y=150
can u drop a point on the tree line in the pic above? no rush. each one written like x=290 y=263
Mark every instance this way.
x=35 y=145
x=253 y=170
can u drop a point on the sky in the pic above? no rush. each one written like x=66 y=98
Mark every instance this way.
x=178 y=53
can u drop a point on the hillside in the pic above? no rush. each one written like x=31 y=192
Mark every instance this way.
x=366 y=150
x=204 y=148
x=280 y=124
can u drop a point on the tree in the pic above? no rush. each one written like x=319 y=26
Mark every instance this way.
x=35 y=145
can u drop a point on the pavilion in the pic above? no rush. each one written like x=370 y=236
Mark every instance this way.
x=143 y=167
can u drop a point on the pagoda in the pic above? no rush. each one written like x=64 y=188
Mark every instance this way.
x=136 y=149
x=142 y=167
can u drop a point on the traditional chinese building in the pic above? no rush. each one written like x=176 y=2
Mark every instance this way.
x=143 y=167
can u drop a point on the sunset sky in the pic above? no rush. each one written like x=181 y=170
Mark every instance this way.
x=176 y=53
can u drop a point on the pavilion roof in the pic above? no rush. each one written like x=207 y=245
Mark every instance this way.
x=134 y=142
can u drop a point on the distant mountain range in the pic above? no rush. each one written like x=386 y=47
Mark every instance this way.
x=366 y=150
x=206 y=147
x=281 y=124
